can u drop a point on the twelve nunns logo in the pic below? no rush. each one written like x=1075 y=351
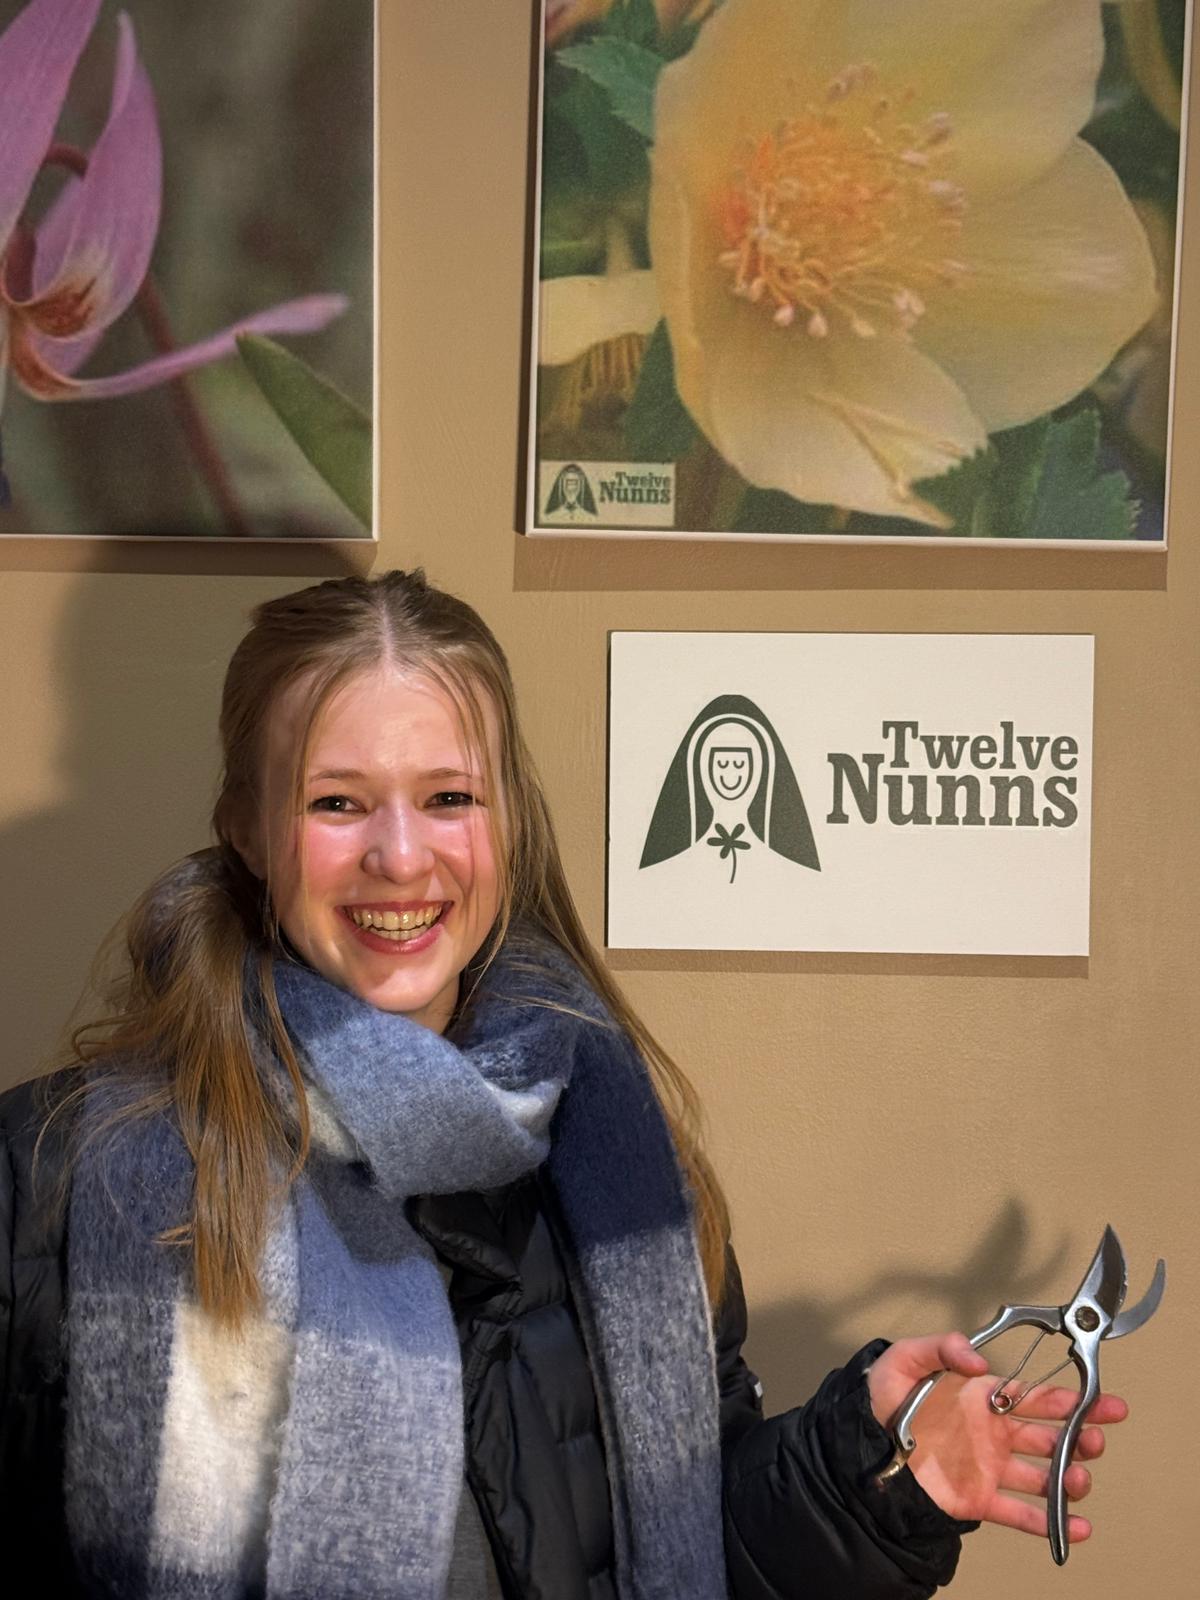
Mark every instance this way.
x=1000 y=779
x=730 y=774
x=616 y=493
x=731 y=785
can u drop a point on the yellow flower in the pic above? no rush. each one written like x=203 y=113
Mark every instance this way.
x=877 y=237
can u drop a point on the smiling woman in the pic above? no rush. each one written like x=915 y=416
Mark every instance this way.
x=388 y=1222
x=378 y=819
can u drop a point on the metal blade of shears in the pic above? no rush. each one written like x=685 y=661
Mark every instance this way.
x=1104 y=1282
x=1128 y=1321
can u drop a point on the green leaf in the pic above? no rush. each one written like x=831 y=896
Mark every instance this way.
x=1074 y=501
x=772 y=511
x=572 y=236
x=626 y=72
x=961 y=492
x=1039 y=481
x=1020 y=455
x=605 y=154
x=636 y=20
x=332 y=431
x=657 y=426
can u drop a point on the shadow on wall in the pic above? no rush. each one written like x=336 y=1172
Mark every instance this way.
x=143 y=644
x=792 y=1346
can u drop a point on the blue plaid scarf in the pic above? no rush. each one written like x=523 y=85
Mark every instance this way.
x=368 y=1464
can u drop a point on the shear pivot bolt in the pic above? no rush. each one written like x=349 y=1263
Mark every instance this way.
x=1087 y=1319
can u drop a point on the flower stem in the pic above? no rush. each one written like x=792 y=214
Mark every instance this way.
x=191 y=419
x=196 y=431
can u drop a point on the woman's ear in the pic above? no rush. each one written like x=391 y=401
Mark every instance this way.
x=247 y=839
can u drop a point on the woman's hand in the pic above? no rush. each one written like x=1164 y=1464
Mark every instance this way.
x=972 y=1462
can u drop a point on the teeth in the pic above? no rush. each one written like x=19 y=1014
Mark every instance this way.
x=398 y=926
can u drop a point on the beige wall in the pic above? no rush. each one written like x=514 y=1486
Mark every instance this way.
x=906 y=1141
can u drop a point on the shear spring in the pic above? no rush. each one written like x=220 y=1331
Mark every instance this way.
x=1002 y=1403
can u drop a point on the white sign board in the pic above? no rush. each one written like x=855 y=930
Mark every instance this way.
x=854 y=792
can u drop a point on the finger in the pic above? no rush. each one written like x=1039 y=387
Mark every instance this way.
x=1026 y=1477
x=939 y=1352
x=957 y=1354
x=1030 y=1439
x=1056 y=1403
x=1026 y=1517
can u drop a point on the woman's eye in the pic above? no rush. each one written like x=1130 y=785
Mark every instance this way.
x=449 y=798
x=335 y=803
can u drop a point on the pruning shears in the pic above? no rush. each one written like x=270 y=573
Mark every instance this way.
x=1092 y=1314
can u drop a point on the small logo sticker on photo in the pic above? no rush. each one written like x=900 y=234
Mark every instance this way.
x=606 y=494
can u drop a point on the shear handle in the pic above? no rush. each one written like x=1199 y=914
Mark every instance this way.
x=1048 y=1318
x=1085 y=1353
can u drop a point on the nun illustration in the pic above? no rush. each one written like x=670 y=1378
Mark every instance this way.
x=571 y=493
x=729 y=786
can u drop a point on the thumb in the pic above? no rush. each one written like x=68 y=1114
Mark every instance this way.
x=939 y=1352
x=909 y=1361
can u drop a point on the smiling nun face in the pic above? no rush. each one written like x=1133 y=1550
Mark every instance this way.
x=729 y=764
x=730 y=770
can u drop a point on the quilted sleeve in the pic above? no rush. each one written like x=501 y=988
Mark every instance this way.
x=804 y=1517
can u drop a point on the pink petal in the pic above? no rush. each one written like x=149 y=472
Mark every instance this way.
x=100 y=232
x=47 y=382
x=38 y=52
x=68 y=355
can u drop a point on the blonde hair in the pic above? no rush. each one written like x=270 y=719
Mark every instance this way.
x=178 y=1009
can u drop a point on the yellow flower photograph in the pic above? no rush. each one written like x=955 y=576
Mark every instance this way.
x=825 y=269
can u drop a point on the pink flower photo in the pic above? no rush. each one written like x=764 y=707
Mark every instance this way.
x=172 y=178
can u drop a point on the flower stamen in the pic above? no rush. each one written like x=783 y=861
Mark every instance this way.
x=599 y=382
x=843 y=213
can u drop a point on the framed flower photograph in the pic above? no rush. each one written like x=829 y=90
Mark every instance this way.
x=187 y=269
x=831 y=270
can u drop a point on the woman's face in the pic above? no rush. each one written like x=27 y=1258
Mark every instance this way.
x=399 y=884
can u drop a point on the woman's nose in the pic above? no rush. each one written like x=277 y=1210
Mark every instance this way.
x=398 y=847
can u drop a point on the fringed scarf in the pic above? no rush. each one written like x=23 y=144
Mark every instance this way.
x=367 y=1468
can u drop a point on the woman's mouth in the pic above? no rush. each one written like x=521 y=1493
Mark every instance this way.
x=397 y=929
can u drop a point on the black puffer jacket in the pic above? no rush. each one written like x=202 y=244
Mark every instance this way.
x=803 y=1518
